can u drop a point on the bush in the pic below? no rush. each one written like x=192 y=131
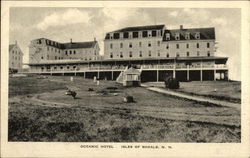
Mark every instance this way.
x=172 y=83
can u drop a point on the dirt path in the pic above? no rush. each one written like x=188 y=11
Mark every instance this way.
x=196 y=98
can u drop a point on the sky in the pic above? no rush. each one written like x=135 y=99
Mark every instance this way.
x=85 y=24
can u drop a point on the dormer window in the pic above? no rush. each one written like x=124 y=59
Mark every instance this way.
x=197 y=35
x=167 y=36
x=187 y=36
x=177 y=36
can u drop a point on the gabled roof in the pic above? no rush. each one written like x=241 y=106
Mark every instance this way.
x=11 y=46
x=205 y=33
x=140 y=28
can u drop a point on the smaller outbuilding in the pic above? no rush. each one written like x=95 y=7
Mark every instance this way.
x=131 y=77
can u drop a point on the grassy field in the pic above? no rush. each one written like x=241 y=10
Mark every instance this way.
x=47 y=114
x=224 y=90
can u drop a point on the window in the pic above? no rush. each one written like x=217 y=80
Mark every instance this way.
x=67 y=67
x=208 y=53
x=144 y=33
x=177 y=46
x=47 y=56
x=13 y=52
x=140 y=54
x=149 y=44
x=61 y=67
x=135 y=34
x=55 y=68
x=187 y=45
x=111 y=45
x=121 y=55
x=125 y=35
x=139 y=44
x=159 y=54
x=167 y=46
x=154 y=33
x=70 y=52
x=55 y=57
x=121 y=45
x=177 y=54
x=41 y=57
x=66 y=53
x=130 y=54
x=111 y=55
x=149 y=53
x=167 y=55
x=130 y=44
x=74 y=52
x=116 y=35
x=197 y=35
x=208 y=45
x=167 y=36
x=187 y=54
x=197 y=45
x=51 y=49
x=198 y=53
x=158 y=43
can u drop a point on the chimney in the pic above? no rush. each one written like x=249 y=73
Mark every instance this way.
x=71 y=40
x=94 y=39
x=181 y=27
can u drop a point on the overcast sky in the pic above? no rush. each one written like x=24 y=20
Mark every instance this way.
x=83 y=24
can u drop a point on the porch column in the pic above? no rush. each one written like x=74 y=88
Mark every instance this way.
x=201 y=71
x=63 y=70
x=98 y=72
x=112 y=75
x=214 y=74
x=187 y=72
x=157 y=72
x=50 y=70
x=174 y=71
x=84 y=73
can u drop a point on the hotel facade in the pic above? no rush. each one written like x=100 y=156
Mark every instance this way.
x=186 y=54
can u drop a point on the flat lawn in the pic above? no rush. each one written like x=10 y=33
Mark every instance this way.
x=101 y=115
x=230 y=91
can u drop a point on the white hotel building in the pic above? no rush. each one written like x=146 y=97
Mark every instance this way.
x=187 y=54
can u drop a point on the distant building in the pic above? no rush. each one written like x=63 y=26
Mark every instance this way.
x=15 y=57
x=185 y=54
x=42 y=49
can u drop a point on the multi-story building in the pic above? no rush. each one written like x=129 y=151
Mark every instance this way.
x=15 y=57
x=42 y=50
x=134 y=42
x=186 y=54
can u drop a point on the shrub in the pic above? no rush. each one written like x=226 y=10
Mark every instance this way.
x=172 y=83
